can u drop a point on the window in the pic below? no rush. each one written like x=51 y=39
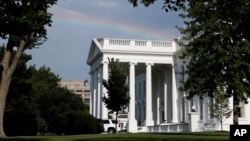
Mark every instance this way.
x=139 y=89
x=201 y=108
x=140 y=112
x=105 y=121
x=162 y=116
x=136 y=94
x=78 y=91
x=211 y=102
x=114 y=121
x=144 y=111
x=144 y=87
x=241 y=110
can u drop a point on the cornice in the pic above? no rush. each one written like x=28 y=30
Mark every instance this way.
x=157 y=54
x=92 y=59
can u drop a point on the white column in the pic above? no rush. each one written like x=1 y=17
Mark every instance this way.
x=94 y=93
x=186 y=103
x=206 y=108
x=101 y=90
x=104 y=90
x=174 y=97
x=165 y=96
x=132 y=123
x=99 y=99
x=149 y=113
x=158 y=87
x=184 y=107
x=91 y=92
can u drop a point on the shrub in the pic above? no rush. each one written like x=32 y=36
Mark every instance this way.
x=19 y=124
x=75 y=122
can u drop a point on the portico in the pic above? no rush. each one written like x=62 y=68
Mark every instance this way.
x=142 y=57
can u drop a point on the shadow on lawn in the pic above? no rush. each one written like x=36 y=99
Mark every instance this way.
x=195 y=136
x=147 y=139
x=21 y=139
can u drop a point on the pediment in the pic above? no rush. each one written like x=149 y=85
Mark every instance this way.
x=93 y=52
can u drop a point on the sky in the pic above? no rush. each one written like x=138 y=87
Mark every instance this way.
x=77 y=22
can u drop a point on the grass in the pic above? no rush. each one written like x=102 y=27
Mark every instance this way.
x=199 y=136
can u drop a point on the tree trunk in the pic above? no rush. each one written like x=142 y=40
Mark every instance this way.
x=221 y=127
x=235 y=111
x=5 y=82
x=8 y=69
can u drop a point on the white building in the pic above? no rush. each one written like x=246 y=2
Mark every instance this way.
x=154 y=79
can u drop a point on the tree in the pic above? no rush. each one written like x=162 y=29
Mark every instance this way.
x=168 y=4
x=216 y=40
x=56 y=102
x=35 y=93
x=220 y=109
x=52 y=100
x=21 y=109
x=117 y=88
x=23 y=24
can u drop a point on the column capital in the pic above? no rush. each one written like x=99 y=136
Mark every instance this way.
x=104 y=62
x=132 y=63
x=91 y=72
x=149 y=63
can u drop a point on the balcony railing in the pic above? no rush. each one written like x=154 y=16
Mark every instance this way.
x=141 y=43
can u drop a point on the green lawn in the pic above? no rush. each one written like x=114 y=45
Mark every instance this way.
x=207 y=136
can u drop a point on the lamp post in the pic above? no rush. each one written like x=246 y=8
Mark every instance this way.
x=193 y=108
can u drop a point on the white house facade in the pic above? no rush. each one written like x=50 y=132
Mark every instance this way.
x=155 y=72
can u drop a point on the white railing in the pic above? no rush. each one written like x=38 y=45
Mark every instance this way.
x=169 y=128
x=119 y=42
x=146 y=43
x=140 y=43
x=161 y=43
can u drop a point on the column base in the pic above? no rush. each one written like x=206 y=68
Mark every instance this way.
x=132 y=126
x=175 y=121
x=149 y=122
